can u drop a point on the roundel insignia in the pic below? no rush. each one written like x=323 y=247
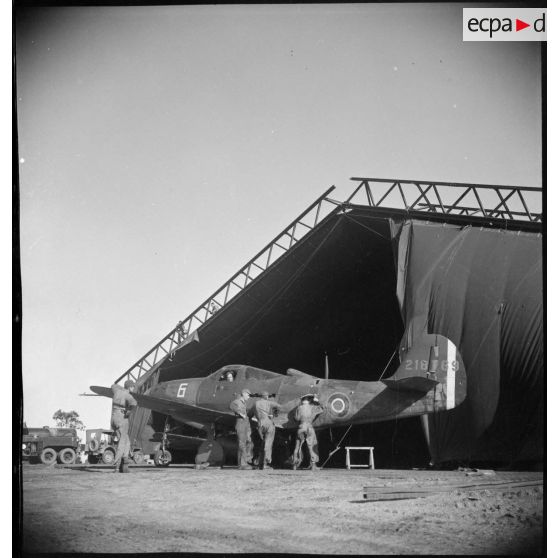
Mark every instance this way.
x=338 y=404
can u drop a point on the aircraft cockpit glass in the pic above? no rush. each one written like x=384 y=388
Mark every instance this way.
x=259 y=374
x=228 y=376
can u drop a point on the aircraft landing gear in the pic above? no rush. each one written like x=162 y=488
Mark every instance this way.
x=163 y=456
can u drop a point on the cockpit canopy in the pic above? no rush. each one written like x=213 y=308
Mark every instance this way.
x=239 y=372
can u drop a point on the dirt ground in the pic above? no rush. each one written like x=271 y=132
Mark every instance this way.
x=179 y=509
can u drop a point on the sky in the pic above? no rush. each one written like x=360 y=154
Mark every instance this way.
x=161 y=148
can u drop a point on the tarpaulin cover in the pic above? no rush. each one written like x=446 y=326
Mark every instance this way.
x=481 y=288
x=360 y=282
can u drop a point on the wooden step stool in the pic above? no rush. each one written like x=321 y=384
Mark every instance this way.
x=348 y=457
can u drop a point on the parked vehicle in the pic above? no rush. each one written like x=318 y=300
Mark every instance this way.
x=48 y=444
x=100 y=446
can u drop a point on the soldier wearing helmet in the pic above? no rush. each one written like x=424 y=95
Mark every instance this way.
x=266 y=428
x=122 y=405
x=243 y=429
x=305 y=414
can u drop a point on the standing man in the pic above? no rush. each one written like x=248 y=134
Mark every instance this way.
x=243 y=430
x=305 y=415
x=266 y=428
x=122 y=405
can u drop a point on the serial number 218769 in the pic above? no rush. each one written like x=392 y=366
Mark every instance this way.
x=423 y=365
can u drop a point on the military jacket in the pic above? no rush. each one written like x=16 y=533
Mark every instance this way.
x=305 y=414
x=122 y=400
x=238 y=407
x=265 y=408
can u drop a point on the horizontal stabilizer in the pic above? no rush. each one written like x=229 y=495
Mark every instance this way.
x=413 y=383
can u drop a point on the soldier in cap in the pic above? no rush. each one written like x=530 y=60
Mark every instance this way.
x=243 y=429
x=266 y=428
x=305 y=415
x=122 y=405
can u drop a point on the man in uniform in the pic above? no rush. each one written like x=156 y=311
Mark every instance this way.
x=243 y=430
x=305 y=415
x=122 y=405
x=266 y=428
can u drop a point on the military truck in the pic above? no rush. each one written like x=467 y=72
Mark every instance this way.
x=100 y=445
x=48 y=444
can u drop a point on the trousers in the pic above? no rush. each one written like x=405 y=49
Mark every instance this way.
x=306 y=433
x=120 y=424
x=267 y=434
x=244 y=436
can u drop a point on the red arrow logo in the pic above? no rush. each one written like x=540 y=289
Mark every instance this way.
x=519 y=25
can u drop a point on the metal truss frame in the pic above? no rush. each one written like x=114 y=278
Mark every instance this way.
x=450 y=198
x=444 y=199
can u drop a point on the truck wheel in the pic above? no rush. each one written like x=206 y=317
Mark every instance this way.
x=162 y=458
x=108 y=456
x=48 y=456
x=67 y=456
x=93 y=459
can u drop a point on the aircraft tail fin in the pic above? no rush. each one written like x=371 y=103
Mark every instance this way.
x=432 y=361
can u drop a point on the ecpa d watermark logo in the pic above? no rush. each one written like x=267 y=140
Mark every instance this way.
x=504 y=24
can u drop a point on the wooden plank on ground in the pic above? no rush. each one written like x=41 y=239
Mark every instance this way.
x=408 y=491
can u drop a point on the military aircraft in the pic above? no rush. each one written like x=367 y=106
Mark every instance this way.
x=431 y=378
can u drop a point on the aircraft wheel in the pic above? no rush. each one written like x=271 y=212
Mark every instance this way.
x=108 y=456
x=162 y=458
x=67 y=456
x=48 y=456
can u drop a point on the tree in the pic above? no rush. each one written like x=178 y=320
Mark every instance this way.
x=68 y=419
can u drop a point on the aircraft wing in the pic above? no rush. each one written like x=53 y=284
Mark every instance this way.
x=99 y=390
x=188 y=412
x=413 y=383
